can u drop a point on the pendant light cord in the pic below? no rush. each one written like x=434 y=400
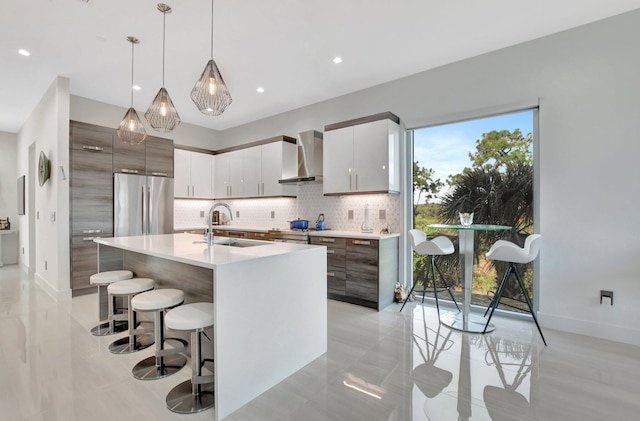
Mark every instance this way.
x=131 y=87
x=211 y=29
x=164 y=20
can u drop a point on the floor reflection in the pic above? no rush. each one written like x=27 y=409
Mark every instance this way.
x=462 y=376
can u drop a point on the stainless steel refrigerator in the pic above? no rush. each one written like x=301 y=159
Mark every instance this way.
x=142 y=205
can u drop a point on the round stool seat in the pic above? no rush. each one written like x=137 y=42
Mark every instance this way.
x=131 y=286
x=190 y=317
x=109 y=277
x=157 y=299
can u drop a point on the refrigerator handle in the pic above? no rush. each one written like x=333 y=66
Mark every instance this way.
x=143 y=207
x=149 y=210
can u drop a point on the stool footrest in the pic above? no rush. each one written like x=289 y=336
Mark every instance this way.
x=202 y=379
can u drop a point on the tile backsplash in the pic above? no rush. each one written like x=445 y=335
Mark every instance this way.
x=309 y=204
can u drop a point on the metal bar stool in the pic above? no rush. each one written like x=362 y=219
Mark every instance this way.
x=506 y=251
x=439 y=246
x=164 y=362
x=197 y=394
x=138 y=338
x=102 y=280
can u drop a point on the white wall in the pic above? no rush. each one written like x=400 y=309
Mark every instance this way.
x=586 y=81
x=107 y=115
x=9 y=194
x=48 y=127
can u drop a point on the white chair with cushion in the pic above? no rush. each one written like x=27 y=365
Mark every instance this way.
x=137 y=339
x=506 y=251
x=102 y=280
x=165 y=361
x=193 y=395
x=439 y=246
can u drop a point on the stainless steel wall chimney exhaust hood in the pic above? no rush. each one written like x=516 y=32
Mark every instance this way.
x=309 y=158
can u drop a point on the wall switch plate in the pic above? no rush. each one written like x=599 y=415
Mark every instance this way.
x=350 y=213
x=45 y=265
x=52 y=216
x=201 y=214
x=382 y=214
x=273 y=214
x=237 y=214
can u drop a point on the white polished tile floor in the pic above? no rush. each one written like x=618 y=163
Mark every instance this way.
x=383 y=366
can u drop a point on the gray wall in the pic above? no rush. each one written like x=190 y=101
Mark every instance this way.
x=586 y=82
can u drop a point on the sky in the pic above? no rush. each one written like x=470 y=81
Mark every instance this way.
x=446 y=148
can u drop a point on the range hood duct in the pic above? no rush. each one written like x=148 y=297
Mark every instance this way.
x=309 y=158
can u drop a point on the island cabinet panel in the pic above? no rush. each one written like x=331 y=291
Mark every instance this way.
x=361 y=271
x=90 y=199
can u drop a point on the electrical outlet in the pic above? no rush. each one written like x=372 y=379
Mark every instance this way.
x=237 y=214
x=273 y=214
x=606 y=297
x=382 y=214
x=22 y=250
x=350 y=213
x=201 y=214
x=52 y=216
x=45 y=265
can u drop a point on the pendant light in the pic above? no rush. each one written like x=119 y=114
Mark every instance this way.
x=131 y=130
x=210 y=94
x=162 y=115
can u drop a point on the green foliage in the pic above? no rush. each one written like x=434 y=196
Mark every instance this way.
x=424 y=185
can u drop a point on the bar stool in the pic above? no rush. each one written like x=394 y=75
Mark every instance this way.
x=138 y=338
x=102 y=280
x=506 y=251
x=439 y=246
x=197 y=394
x=165 y=362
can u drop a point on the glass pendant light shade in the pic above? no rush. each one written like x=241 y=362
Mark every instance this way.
x=162 y=115
x=210 y=94
x=131 y=130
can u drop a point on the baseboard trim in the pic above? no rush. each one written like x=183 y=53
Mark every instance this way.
x=57 y=296
x=590 y=328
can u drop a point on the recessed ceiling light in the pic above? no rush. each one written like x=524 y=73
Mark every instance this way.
x=135 y=87
x=260 y=89
x=337 y=60
x=23 y=52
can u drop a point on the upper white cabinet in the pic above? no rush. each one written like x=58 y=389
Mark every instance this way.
x=228 y=174
x=193 y=174
x=254 y=171
x=362 y=156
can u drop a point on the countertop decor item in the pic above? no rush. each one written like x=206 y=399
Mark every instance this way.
x=131 y=130
x=44 y=168
x=210 y=94
x=162 y=115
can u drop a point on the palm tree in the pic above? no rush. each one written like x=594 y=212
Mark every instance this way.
x=501 y=197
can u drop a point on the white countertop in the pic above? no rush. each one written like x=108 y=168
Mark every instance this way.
x=352 y=234
x=313 y=233
x=181 y=248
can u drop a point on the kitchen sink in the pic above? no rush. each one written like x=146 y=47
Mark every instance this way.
x=239 y=243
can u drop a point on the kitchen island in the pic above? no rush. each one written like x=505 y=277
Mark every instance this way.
x=270 y=303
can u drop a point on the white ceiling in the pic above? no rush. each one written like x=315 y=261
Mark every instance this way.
x=286 y=46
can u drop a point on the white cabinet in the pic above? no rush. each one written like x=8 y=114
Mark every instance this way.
x=193 y=174
x=362 y=158
x=228 y=175
x=255 y=171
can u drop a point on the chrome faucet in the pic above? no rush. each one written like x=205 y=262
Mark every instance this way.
x=209 y=236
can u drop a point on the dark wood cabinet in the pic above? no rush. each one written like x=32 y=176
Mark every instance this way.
x=154 y=157
x=159 y=156
x=361 y=271
x=90 y=197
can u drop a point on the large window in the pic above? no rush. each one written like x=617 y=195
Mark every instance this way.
x=484 y=166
